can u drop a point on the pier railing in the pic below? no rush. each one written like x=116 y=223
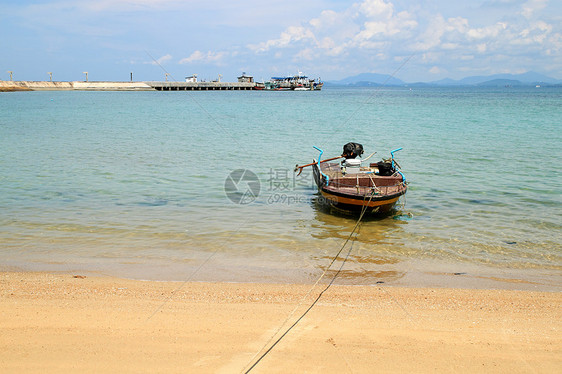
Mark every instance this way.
x=201 y=86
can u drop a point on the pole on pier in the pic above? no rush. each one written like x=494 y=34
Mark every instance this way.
x=11 y=72
x=131 y=76
x=50 y=76
x=85 y=72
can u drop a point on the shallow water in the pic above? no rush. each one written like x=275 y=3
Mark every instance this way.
x=133 y=183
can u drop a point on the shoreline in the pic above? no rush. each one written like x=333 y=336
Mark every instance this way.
x=427 y=273
x=68 y=321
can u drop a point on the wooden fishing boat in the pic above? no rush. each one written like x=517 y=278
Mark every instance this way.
x=353 y=187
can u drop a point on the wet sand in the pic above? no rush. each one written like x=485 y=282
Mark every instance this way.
x=63 y=323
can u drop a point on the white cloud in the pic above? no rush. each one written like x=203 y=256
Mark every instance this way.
x=162 y=60
x=435 y=70
x=330 y=47
x=201 y=57
x=305 y=54
x=288 y=37
x=449 y=46
x=431 y=57
x=431 y=36
x=382 y=22
x=366 y=25
x=536 y=33
x=379 y=30
x=532 y=6
x=457 y=24
x=333 y=25
x=555 y=43
x=328 y=35
x=328 y=18
x=377 y=9
x=487 y=32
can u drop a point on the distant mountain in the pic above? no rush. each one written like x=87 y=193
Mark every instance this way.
x=501 y=83
x=529 y=78
x=369 y=79
x=497 y=80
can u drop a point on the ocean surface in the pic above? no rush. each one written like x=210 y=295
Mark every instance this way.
x=133 y=184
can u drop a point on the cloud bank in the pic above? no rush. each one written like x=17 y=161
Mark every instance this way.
x=327 y=37
x=375 y=32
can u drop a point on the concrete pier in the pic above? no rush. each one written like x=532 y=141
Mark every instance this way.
x=201 y=86
x=124 y=86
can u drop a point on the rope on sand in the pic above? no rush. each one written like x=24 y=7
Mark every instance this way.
x=355 y=228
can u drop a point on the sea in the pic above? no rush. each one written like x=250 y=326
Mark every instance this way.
x=200 y=186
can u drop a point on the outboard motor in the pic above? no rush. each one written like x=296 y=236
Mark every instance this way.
x=385 y=169
x=352 y=150
x=351 y=164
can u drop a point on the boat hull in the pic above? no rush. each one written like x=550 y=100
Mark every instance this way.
x=360 y=192
x=355 y=203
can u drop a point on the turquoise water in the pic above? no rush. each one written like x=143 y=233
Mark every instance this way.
x=133 y=183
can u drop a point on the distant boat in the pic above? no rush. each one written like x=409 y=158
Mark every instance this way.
x=352 y=187
x=297 y=82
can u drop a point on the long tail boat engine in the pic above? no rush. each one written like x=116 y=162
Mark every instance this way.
x=351 y=164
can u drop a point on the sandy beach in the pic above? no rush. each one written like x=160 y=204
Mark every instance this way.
x=68 y=322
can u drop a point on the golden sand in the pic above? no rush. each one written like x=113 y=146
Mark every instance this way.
x=61 y=323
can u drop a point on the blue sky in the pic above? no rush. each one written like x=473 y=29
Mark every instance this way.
x=331 y=39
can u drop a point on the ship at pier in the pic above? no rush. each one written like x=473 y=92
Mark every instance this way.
x=297 y=82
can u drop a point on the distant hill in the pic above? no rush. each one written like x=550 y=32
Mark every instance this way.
x=497 y=80
x=529 y=78
x=501 y=83
x=369 y=79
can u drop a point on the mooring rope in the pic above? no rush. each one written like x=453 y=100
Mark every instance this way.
x=363 y=211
